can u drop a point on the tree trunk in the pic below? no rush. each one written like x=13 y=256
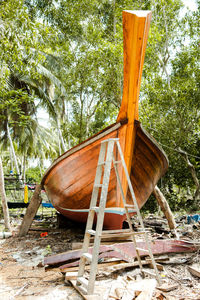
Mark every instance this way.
x=13 y=153
x=165 y=207
x=31 y=211
x=81 y=118
x=51 y=92
x=60 y=136
x=193 y=173
x=11 y=159
x=3 y=199
x=67 y=120
x=24 y=168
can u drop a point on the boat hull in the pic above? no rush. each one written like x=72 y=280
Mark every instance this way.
x=69 y=182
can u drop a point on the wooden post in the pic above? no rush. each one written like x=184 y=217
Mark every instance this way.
x=3 y=199
x=31 y=211
x=165 y=207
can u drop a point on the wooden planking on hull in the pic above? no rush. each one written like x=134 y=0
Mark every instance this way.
x=69 y=183
x=148 y=165
x=76 y=149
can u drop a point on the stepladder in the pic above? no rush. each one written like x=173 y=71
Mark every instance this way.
x=108 y=159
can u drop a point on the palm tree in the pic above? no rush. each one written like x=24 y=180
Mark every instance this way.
x=31 y=93
x=3 y=199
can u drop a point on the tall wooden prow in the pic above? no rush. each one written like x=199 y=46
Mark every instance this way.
x=136 y=26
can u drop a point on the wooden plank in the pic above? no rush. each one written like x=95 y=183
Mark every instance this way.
x=167 y=287
x=31 y=211
x=194 y=271
x=87 y=267
x=98 y=292
x=159 y=266
x=126 y=250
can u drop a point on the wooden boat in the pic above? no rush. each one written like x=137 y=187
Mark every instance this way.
x=69 y=180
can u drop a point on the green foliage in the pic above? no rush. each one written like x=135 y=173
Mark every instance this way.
x=170 y=97
x=66 y=57
x=33 y=175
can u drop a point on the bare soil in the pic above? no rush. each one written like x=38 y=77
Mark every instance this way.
x=23 y=276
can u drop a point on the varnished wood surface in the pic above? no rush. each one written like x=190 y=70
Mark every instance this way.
x=135 y=34
x=70 y=181
x=70 y=184
x=149 y=164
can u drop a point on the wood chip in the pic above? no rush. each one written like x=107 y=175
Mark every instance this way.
x=194 y=271
x=167 y=287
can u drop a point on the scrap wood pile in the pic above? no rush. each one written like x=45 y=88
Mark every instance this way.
x=119 y=277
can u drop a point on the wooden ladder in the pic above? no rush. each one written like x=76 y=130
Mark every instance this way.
x=106 y=157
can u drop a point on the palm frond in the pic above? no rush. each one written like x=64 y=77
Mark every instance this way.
x=52 y=78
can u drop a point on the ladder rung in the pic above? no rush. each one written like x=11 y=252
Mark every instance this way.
x=95 y=208
x=91 y=232
x=132 y=211
x=129 y=206
x=98 y=185
x=140 y=232
x=117 y=162
x=110 y=235
x=88 y=256
x=118 y=233
x=82 y=281
x=149 y=273
x=102 y=163
x=115 y=231
x=141 y=249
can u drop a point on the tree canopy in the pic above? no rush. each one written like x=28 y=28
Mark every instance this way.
x=66 y=58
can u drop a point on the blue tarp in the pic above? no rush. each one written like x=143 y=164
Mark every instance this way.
x=192 y=219
x=47 y=205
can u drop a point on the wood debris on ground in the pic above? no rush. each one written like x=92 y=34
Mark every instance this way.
x=24 y=275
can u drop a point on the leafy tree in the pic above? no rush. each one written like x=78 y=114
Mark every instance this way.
x=66 y=57
x=170 y=98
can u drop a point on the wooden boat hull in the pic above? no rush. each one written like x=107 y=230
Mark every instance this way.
x=69 y=182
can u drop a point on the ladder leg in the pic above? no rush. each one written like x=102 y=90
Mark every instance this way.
x=127 y=215
x=91 y=213
x=137 y=211
x=99 y=226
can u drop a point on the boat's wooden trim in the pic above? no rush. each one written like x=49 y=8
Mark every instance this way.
x=136 y=26
x=80 y=146
x=135 y=33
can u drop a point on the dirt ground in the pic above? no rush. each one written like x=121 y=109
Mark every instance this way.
x=23 y=276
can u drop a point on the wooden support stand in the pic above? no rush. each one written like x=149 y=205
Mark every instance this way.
x=31 y=211
x=165 y=207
